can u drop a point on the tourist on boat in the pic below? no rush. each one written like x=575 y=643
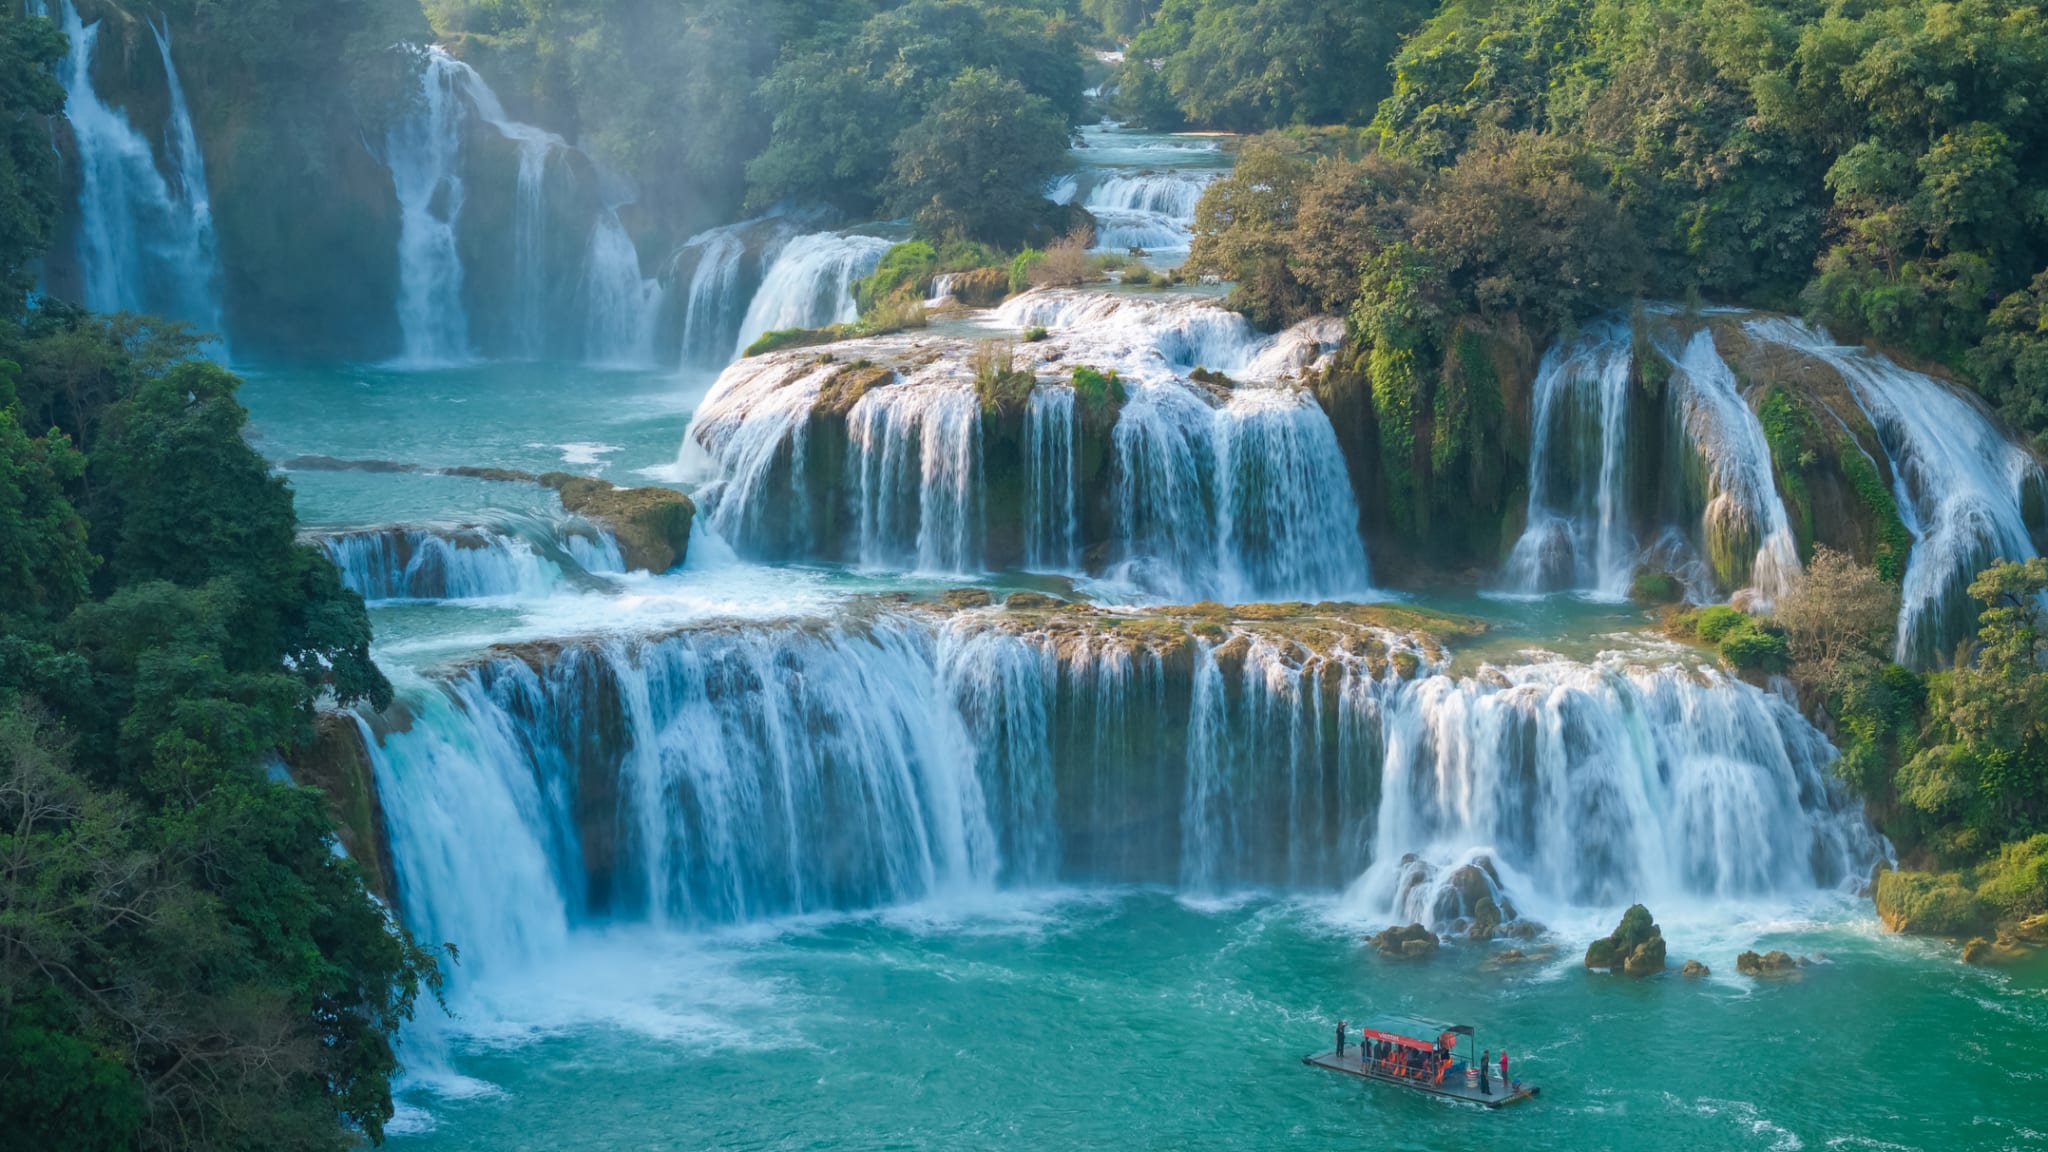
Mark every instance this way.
x=1485 y=1089
x=1340 y=1047
x=1503 y=1066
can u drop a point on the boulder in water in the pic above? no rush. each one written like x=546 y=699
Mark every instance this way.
x=1636 y=947
x=652 y=525
x=966 y=598
x=1485 y=919
x=1695 y=968
x=1770 y=964
x=1413 y=942
x=1977 y=951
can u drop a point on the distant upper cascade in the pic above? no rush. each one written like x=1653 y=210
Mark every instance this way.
x=144 y=234
x=606 y=312
x=424 y=152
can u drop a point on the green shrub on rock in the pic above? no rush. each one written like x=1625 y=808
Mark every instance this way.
x=1713 y=623
x=1636 y=946
x=2017 y=882
x=1929 y=904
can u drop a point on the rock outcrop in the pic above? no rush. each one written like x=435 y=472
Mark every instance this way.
x=1636 y=947
x=1695 y=968
x=1413 y=942
x=1774 y=964
x=652 y=525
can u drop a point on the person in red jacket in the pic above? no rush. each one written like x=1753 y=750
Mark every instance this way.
x=1503 y=1066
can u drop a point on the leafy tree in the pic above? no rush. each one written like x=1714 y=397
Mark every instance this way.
x=184 y=961
x=975 y=165
x=1983 y=759
x=2011 y=363
x=842 y=108
x=1246 y=65
x=28 y=168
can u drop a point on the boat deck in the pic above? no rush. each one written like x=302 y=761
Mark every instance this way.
x=1453 y=1087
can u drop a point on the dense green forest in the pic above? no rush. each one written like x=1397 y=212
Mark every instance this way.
x=184 y=960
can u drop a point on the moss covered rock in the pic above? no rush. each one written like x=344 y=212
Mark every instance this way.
x=1930 y=904
x=652 y=525
x=338 y=764
x=1636 y=947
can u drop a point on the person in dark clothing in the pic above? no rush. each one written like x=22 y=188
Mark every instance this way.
x=1341 y=1025
x=1485 y=1089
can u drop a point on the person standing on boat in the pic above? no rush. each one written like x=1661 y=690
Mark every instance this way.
x=1503 y=1067
x=1485 y=1089
x=1340 y=1039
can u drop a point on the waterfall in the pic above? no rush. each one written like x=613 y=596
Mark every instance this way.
x=810 y=284
x=914 y=452
x=200 y=302
x=424 y=152
x=709 y=302
x=1960 y=484
x=1748 y=535
x=384 y=564
x=622 y=308
x=1154 y=211
x=1149 y=336
x=1282 y=750
x=734 y=772
x=143 y=244
x=1602 y=784
x=1052 y=521
x=530 y=215
x=717 y=776
x=1247 y=500
x=1236 y=494
x=1578 y=534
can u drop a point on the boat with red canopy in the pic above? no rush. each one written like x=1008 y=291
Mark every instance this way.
x=1425 y=1056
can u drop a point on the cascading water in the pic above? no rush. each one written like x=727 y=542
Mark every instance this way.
x=710 y=305
x=733 y=772
x=530 y=216
x=1748 y=535
x=1246 y=500
x=144 y=244
x=1154 y=211
x=719 y=776
x=1960 y=483
x=810 y=284
x=1237 y=494
x=1578 y=532
x=1052 y=522
x=914 y=451
x=621 y=307
x=190 y=167
x=1601 y=784
x=424 y=153
x=463 y=564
